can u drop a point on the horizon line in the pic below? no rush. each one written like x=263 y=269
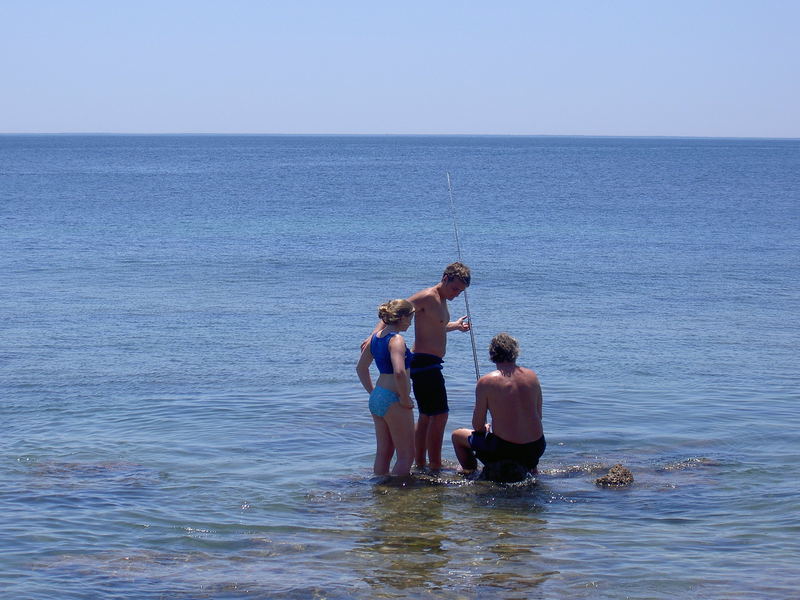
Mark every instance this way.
x=520 y=135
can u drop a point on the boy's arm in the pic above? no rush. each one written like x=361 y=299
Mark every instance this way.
x=461 y=324
x=379 y=327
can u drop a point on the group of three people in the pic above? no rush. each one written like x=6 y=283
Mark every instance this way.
x=511 y=394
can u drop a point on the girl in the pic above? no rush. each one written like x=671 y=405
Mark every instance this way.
x=389 y=399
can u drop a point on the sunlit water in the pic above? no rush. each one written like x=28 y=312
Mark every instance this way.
x=179 y=324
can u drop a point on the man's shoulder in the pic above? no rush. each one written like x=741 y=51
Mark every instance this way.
x=490 y=377
x=527 y=373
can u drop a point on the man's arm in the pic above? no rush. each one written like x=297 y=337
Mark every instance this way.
x=481 y=407
x=539 y=403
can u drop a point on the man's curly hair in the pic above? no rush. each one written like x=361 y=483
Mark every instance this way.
x=503 y=348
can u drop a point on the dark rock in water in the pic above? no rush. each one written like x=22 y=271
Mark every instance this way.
x=617 y=476
x=504 y=471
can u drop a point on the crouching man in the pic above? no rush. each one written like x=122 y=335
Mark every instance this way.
x=511 y=447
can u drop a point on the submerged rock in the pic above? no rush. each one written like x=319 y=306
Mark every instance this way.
x=690 y=463
x=504 y=471
x=617 y=476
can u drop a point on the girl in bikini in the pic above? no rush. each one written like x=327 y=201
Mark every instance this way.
x=389 y=399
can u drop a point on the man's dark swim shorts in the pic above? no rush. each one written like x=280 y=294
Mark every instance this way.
x=428 y=384
x=490 y=448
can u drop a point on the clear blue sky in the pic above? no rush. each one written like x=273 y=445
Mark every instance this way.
x=589 y=67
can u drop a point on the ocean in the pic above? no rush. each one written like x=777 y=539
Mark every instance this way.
x=180 y=319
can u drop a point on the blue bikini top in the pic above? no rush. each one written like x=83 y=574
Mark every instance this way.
x=379 y=346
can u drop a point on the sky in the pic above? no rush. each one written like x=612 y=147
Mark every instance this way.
x=706 y=68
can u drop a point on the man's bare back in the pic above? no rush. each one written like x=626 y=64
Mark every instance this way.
x=513 y=396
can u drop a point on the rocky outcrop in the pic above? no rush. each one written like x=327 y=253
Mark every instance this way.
x=617 y=476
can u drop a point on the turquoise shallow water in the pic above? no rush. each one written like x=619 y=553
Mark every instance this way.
x=179 y=324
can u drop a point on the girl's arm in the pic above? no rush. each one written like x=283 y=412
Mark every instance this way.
x=362 y=368
x=397 y=352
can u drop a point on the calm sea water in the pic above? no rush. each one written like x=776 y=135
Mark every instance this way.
x=179 y=324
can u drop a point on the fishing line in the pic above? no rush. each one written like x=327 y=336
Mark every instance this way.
x=466 y=301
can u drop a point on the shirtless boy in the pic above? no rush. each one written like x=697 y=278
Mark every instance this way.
x=430 y=342
x=513 y=397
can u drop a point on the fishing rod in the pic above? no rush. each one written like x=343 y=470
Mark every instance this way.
x=466 y=301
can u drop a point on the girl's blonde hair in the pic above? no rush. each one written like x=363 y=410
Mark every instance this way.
x=392 y=311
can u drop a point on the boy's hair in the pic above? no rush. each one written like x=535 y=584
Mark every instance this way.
x=458 y=271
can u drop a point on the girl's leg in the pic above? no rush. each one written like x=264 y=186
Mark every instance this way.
x=400 y=422
x=385 y=447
